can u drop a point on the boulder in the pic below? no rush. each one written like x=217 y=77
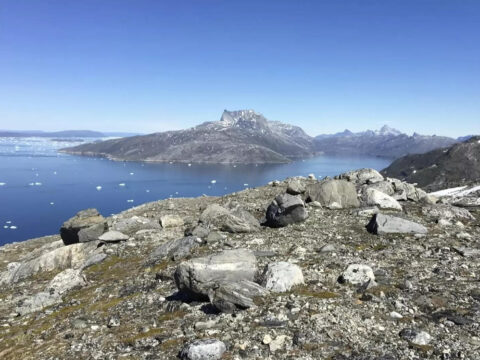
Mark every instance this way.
x=375 y=197
x=357 y=274
x=59 y=285
x=175 y=249
x=197 y=276
x=133 y=224
x=295 y=186
x=233 y=220
x=72 y=256
x=282 y=276
x=362 y=176
x=286 y=209
x=385 y=187
x=447 y=212
x=227 y=296
x=387 y=224
x=415 y=336
x=206 y=349
x=86 y=225
x=93 y=259
x=171 y=221
x=334 y=194
x=113 y=236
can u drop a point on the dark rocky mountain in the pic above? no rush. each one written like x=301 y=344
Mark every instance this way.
x=386 y=142
x=238 y=137
x=442 y=168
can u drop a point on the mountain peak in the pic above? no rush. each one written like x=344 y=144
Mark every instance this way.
x=387 y=130
x=245 y=119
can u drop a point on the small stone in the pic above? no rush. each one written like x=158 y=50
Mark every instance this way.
x=415 y=336
x=357 y=274
x=171 y=221
x=327 y=248
x=113 y=322
x=209 y=349
x=278 y=343
x=267 y=339
x=395 y=315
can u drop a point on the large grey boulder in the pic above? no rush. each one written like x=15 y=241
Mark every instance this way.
x=206 y=349
x=334 y=194
x=282 y=276
x=113 y=236
x=197 y=276
x=375 y=197
x=286 y=209
x=59 y=285
x=296 y=186
x=228 y=296
x=86 y=225
x=387 y=224
x=447 y=212
x=362 y=176
x=175 y=249
x=171 y=221
x=133 y=224
x=72 y=256
x=385 y=187
x=234 y=219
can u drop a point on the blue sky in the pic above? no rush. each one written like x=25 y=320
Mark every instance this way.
x=145 y=66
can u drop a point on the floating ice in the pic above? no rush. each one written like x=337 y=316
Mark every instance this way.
x=8 y=222
x=99 y=188
x=54 y=173
x=245 y=184
x=52 y=203
x=147 y=190
x=176 y=192
x=13 y=227
x=132 y=173
x=189 y=164
x=3 y=184
x=213 y=181
x=130 y=200
x=234 y=165
x=121 y=184
x=5 y=226
x=38 y=184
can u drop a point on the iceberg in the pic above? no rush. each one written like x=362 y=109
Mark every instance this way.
x=99 y=188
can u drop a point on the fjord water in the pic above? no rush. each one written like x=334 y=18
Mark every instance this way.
x=40 y=188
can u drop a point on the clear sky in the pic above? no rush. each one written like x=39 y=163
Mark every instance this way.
x=154 y=65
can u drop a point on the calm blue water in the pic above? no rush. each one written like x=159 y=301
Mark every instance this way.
x=39 y=188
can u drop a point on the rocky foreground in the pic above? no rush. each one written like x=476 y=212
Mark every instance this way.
x=356 y=267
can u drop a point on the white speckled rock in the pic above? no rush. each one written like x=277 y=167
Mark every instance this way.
x=113 y=236
x=357 y=274
x=282 y=276
x=209 y=349
x=170 y=221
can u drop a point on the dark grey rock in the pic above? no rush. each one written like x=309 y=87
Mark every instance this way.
x=86 y=225
x=175 y=249
x=239 y=293
x=286 y=209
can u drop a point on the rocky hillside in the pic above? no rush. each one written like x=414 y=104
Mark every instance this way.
x=386 y=142
x=238 y=137
x=442 y=168
x=356 y=267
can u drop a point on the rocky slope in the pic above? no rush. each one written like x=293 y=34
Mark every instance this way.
x=238 y=137
x=442 y=168
x=356 y=267
x=386 y=142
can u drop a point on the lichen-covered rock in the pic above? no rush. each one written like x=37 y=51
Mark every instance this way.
x=240 y=294
x=296 y=186
x=387 y=224
x=374 y=197
x=86 y=225
x=171 y=221
x=357 y=274
x=447 y=212
x=284 y=210
x=113 y=236
x=198 y=276
x=234 y=220
x=335 y=194
x=207 y=349
x=175 y=249
x=362 y=176
x=282 y=276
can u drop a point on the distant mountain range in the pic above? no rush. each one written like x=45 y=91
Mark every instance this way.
x=238 y=137
x=246 y=136
x=62 y=134
x=386 y=142
x=456 y=165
